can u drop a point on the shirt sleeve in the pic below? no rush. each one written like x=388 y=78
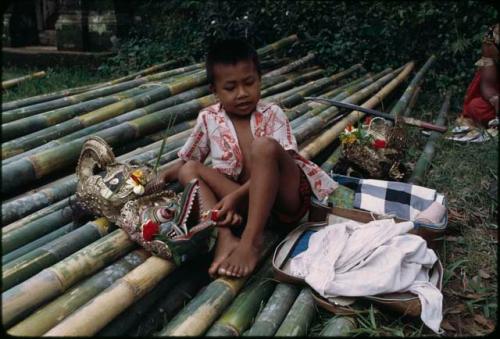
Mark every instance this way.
x=197 y=146
x=279 y=128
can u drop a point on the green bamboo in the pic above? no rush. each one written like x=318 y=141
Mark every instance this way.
x=13 y=130
x=31 y=263
x=18 y=252
x=338 y=327
x=239 y=315
x=403 y=102
x=14 y=82
x=339 y=95
x=130 y=318
x=88 y=95
x=39 y=214
x=278 y=45
x=298 y=320
x=58 y=94
x=412 y=102
x=170 y=304
x=328 y=136
x=315 y=123
x=285 y=85
x=22 y=206
x=276 y=309
x=424 y=161
x=195 y=318
x=293 y=65
x=35 y=229
x=52 y=313
x=294 y=112
x=93 y=316
x=22 y=147
x=18 y=301
x=317 y=85
x=162 y=91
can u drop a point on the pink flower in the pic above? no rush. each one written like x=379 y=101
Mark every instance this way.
x=368 y=119
x=149 y=229
x=349 y=128
x=379 y=143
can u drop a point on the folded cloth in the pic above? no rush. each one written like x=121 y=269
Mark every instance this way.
x=351 y=259
x=399 y=199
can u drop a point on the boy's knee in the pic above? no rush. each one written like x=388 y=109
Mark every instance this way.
x=265 y=147
x=188 y=171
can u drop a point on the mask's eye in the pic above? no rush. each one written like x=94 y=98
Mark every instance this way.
x=114 y=181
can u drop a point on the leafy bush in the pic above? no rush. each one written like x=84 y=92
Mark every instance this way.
x=377 y=33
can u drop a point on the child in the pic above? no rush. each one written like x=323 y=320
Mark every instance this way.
x=256 y=166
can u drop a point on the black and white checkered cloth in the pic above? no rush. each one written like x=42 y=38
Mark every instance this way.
x=390 y=197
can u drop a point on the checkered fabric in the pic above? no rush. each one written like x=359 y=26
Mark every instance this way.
x=399 y=199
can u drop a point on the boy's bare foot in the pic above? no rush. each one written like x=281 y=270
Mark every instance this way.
x=226 y=243
x=241 y=262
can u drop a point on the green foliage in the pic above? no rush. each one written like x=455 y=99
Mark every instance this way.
x=342 y=33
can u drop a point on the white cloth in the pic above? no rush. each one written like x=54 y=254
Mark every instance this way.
x=351 y=259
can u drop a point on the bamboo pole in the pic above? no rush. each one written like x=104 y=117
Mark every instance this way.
x=162 y=91
x=35 y=229
x=42 y=240
x=328 y=136
x=296 y=111
x=13 y=130
x=290 y=83
x=31 y=263
x=169 y=305
x=412 y=102
x=338 y=327
x=94 y=315
x=293 y=65
x=18 y=301
x=402 y=103
x=315 y=123
x=14 y=82
x=39 y=214
x=195 y=318
x=276 y=309
x=424 y=161
x=75 y=90
x=238 y=316
x=88 y=95
x=130 y=318
x=299 y=318
x=52 y=313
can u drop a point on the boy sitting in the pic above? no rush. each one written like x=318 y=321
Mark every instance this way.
x=256 y=166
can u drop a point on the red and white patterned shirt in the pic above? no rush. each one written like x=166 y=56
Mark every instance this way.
x=214 y=134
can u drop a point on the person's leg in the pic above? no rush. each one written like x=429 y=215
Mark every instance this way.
x=213 y=187
x=274 y=181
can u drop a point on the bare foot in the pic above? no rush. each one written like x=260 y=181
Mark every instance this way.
x=226 y=243
x=241 y=262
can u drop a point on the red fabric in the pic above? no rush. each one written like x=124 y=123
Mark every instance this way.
x=475 y=106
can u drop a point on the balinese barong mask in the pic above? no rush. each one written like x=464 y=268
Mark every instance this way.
x=169 y=225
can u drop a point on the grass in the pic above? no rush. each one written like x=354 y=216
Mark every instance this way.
x=57 y=78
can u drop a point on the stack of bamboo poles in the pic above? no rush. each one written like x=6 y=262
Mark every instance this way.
x=63 y=278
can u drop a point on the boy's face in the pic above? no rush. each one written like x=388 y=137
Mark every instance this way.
x=237 y=87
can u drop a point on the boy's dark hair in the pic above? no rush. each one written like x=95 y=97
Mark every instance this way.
x=229 y=52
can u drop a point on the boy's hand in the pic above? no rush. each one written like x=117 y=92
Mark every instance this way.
x=155 y=185
x=227 y=215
